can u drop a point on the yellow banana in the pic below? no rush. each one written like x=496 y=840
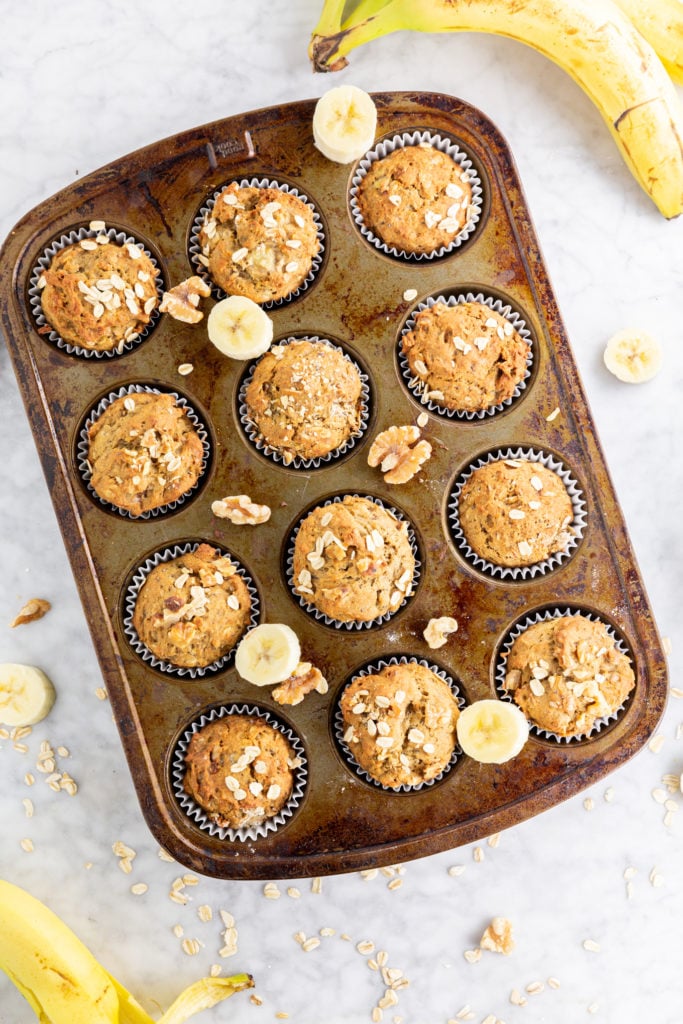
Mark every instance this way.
x=64 y=983
x=661 y=23
x=592 y=40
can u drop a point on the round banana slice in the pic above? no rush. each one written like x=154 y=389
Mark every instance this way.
x=633 y=356
x=492 y=731
x=239 y=328
x=268 y=654
x=344 y=123
x=26 y=694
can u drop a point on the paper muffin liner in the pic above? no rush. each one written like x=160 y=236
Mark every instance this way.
x=131 y=596
x=85 y=469
x=544 y=616
x=523 y=572
x=336 y=623
x=299 y=462
x=444 y=145
x=200 y=262
x=372 y=668
x=199 y=816
x=419 y=388
x=34 y=293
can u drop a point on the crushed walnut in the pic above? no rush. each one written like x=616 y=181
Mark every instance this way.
x=438 y=630
x=241 y=510
x=303 y=680
x=397 y=454
x=498 y=936
x=181 y=301
x=32 y=610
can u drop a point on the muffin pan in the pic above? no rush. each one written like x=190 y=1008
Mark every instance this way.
x=359 y=297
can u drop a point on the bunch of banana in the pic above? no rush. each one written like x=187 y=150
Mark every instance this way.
x=613 y=58
x=64 y=983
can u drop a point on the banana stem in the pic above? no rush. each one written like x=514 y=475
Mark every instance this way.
x=327 y=51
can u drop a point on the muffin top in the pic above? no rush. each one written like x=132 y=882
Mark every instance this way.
x=515 y=512
x=239 y=769
x=305 y=399
x=417 y=199
x=144 y=452
x=353 y=560
x=192 y=610
x=399 y=724
x=99 y=295
x=465 y=356
x=259 y=242
x=566 y=673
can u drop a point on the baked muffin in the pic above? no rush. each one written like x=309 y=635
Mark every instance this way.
x=417 y=199
x=515 y=512
x=353 y=560
x=566 y=673
x=99 y=295
x=304 y=399
x=144 y=452
x=259 y=242
x=192 y=610
x=466 y=356
x=240 y=770
x=399 y=724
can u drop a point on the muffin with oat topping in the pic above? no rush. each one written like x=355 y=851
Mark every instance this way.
x=304 y=399
x=353 y=560
x=399 y=724
x=465 y=356
x=239 y=769
x=259 y=242
x=192 y=610
x=97 y=295
x=416 y=200
x=144 y=452
x=566 y=673
x=514 y=512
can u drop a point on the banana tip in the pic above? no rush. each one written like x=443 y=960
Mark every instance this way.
x=321 y=52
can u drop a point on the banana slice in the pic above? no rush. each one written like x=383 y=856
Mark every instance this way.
x=268 y=654
x=26 y=694
x=239 y=328
x=344 y=123
x=492 y=731
x=633 y=356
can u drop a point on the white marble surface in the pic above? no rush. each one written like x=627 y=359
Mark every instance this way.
x=83 y=83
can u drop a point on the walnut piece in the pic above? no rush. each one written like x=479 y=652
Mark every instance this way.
x=32 y=610
x=303 y=679
x=498 y=936
x=241 y=510
x=438 y=630
x=392 y=452
x=181 y=301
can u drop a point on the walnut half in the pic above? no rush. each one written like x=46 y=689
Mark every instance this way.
x=181 y=301
x=303 y=679
x=241 y=510
x=392 y=451
x=498 y=936
x=32 y=610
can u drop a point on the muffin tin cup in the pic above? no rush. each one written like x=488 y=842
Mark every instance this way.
x=199 y=816
x=418 y=387
x=299 y=462
x=444 y=145
x=355 y=625
x=131 y=596
x=197 y=257
x=523 y=572
x=85 y=469
x=339 y=729
x=34 y=293
x=545 y=616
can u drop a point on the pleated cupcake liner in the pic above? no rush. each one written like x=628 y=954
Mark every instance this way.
x=198 y=815
x=524 y=572
x=130 y=599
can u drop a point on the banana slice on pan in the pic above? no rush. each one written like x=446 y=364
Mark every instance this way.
x=492 y=731
x=239 y=328
x=26 y=694
x=633 y=356
x=344 y=123
x=268 y=654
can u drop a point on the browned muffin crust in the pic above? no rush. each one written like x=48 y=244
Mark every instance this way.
x=566 y=673
x=144 y=452
x=399 y=724
x=260 y=242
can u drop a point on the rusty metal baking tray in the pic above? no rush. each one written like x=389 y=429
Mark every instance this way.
x=357 y=298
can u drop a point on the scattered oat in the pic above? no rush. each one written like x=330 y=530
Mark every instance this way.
x=498 y=936
x=410 y=294
x=163 y=855
x=659 y=795
x=591 y=946
x=553 y=983
x=588 y=803
x=34 y=609
x=101 y=693
x=310 y=944
x=554 y=414
x=422 y=420
x=204 y=912
x=666 y=644
x=656 y=743
x=369 y=874
x=593 y=1008
x=517 y=999
x=185 y=368
x=656 y=880
x=29 y=778
x=456 y=870
x=676 y=691
x=190 y=946
x=534 y=988
x=293 y=893
x=609 y=795
x=478 y=854
x=28 y=807
x=27 y=845
x=271 y=891
x=317 y=885
x=365 y=946
x=139 y=889
x=255 y=1000
x=395 y=883
x=493 y=840
x=438 y=631
x=473 y=956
